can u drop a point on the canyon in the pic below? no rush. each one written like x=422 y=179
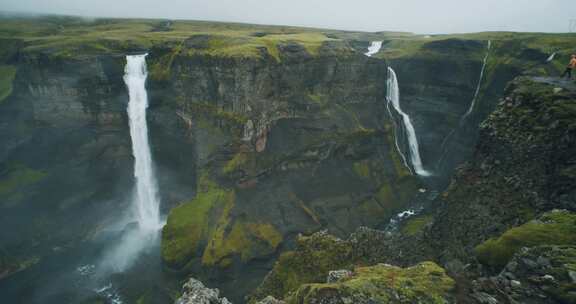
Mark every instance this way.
x=269 y=145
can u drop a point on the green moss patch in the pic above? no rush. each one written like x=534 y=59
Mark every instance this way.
x=553 y=228
x=248 y=240
x=309 y=263
x=204 y=228
x=416 y=224
x=362 y=168
x=160 y=70
x=423 y=283
x=235 y=163
x=188 y=224
x=7 y=74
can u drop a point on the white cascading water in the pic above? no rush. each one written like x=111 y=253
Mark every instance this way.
x=374 y=48
x=146 y=200
x=472 y=104
x=146 y=203
x=477 y=92
x=393 y=97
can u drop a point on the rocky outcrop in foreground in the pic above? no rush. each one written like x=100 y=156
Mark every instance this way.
x=194 y=292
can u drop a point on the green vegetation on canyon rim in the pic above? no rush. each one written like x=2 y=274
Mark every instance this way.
x=422 y=283
x=71 y=37
x=555 y=228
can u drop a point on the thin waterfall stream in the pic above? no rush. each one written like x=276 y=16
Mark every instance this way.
x=393 y=97
x=470 y=108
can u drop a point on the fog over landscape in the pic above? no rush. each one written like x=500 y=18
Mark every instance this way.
x=442 y=16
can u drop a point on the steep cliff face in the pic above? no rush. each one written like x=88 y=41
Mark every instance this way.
x=65 y=153
x=522 y=166
x=284 y=146
x=495 y=229
x=444 y=78
x=66 y=156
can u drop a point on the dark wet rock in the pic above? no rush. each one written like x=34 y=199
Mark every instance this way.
x=533 y=173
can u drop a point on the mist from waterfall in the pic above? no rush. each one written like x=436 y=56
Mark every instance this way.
x=393 y=96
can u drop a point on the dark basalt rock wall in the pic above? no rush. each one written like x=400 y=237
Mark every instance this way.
x=438 y=83
x=521 y=167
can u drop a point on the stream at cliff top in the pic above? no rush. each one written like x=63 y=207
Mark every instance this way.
x=374 y=48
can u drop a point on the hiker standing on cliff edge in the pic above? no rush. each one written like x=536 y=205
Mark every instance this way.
x=570 y=67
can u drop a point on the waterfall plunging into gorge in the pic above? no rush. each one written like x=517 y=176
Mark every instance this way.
x=393 y=96
x=146 y=200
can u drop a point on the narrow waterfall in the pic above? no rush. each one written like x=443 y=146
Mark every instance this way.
x=146 y=195
x=552 y=56
x=393 y=97
x=444 y=146
x=477 y=92
x=374 y=48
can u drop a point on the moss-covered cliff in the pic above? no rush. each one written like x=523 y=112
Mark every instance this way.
x=298 y=145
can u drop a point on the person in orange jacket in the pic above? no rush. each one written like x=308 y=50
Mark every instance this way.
x=570 y=67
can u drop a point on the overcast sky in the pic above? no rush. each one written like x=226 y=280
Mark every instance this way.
x=420 y=16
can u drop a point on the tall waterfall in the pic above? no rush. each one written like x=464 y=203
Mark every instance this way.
x=146 y=196
x=393 y=97
x=374 y=48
